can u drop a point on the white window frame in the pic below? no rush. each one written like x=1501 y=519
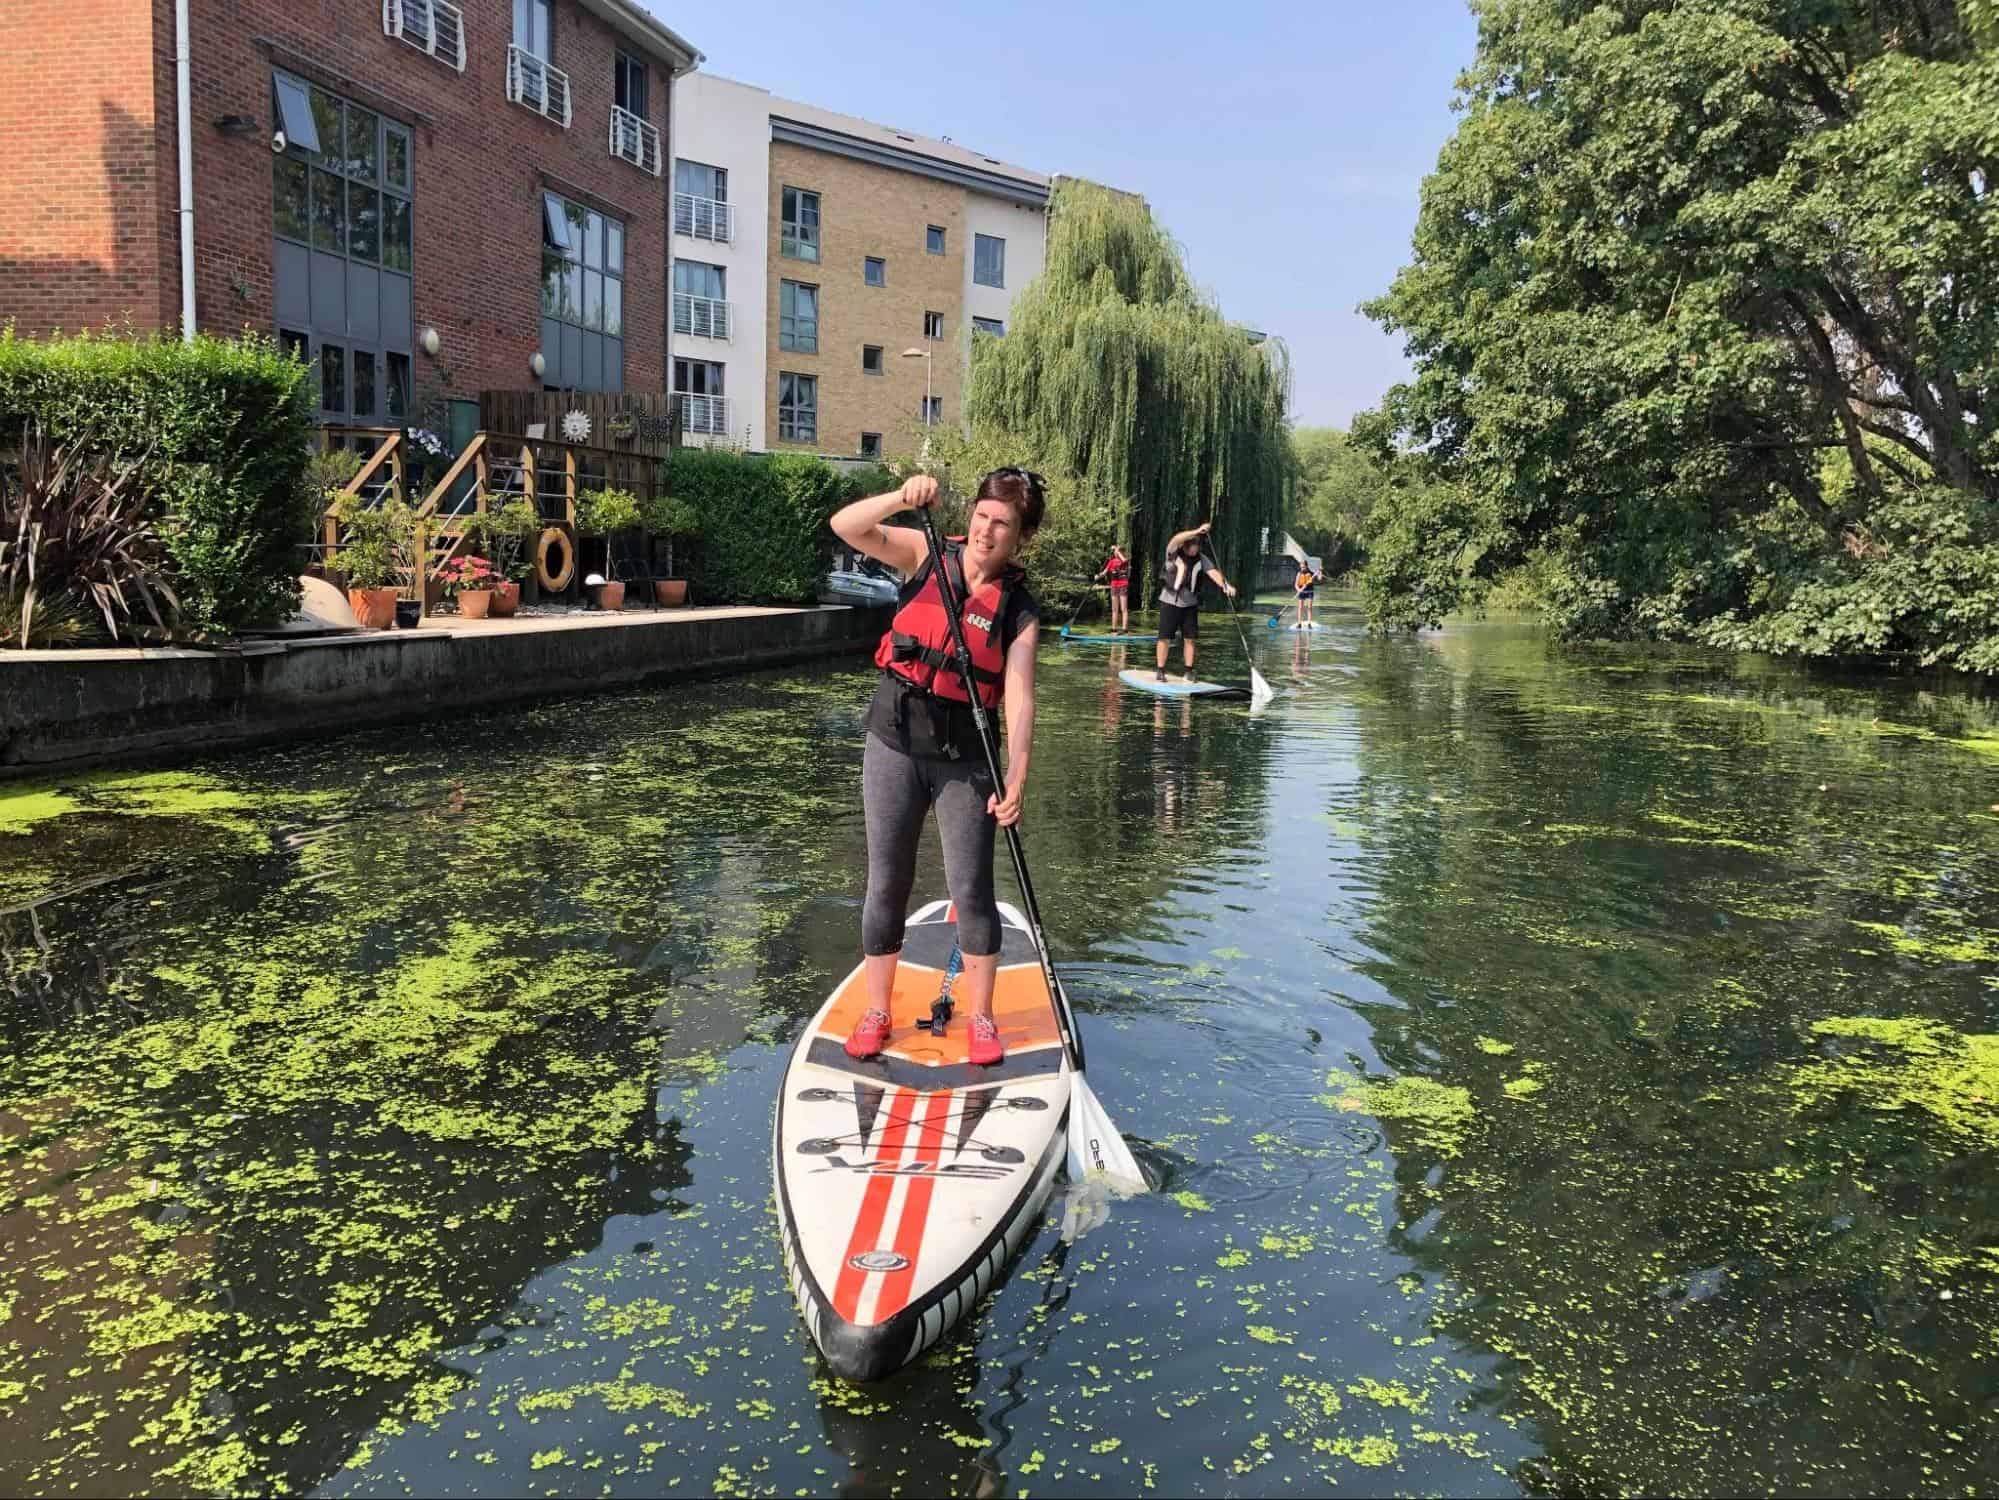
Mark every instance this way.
x=417 y=22
x=796 y=408
x=791 y=325
x=927 y=316
x=791 y=232
x=988 y=239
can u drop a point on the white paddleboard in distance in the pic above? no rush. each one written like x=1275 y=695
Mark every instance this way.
x=906 y=1182
x=1306 y=625
x=1173 y=687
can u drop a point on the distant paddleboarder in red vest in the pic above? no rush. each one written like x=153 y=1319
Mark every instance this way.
x=922 y=746
x=1117 y=571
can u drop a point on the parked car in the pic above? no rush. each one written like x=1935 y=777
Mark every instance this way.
x=863 y=581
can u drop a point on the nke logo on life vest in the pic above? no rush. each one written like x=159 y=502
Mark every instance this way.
x=977 y=622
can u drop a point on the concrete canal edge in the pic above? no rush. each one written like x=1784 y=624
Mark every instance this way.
x=61 y=709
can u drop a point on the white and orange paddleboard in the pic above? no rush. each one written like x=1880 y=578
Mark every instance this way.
x=905 y=1183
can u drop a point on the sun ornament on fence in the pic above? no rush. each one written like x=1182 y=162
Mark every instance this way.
x=576 y=427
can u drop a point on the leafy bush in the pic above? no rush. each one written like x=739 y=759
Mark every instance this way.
x=378 y=542
x=606 y=512
x=762 y=522
x=503 y=535
x=75 y=536
x=218 y=429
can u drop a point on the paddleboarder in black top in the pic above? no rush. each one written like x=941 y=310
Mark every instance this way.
x=1179 y=596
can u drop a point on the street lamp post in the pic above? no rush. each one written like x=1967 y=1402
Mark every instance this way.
x=924 y=355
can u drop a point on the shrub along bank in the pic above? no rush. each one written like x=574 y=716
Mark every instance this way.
x=217 y=433
x=763 y=532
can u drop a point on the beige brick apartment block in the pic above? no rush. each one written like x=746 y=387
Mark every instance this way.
x=866 y=210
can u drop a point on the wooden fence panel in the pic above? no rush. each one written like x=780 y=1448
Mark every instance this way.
x=639 y=423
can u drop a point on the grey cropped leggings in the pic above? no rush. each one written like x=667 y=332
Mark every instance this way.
x=896 y=791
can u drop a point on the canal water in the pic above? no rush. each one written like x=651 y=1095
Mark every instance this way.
x=1568 y=1070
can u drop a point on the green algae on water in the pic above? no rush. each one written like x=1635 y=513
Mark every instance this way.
x=1439 y=1116
x=1910 y=1064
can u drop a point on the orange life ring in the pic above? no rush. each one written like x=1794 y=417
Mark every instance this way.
x=551 y=581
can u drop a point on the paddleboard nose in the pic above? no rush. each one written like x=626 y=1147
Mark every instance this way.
x=863 y=1353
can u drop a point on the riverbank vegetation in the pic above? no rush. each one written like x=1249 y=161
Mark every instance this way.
x=1702 y=316
x=181 y=496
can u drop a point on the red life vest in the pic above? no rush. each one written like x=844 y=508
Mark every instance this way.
x=1117 y=568
x=918 y=647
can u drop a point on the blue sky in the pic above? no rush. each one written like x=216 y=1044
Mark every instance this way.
x=1281 y=144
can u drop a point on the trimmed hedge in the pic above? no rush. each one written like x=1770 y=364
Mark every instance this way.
x=223 y=426
x=764 y=537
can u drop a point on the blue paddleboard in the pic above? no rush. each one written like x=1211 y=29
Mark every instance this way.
x=1145 y=682
x=1102 y=640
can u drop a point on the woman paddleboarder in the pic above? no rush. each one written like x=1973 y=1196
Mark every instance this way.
x=922 y=746
x=1117 y=569
x=1180 y=597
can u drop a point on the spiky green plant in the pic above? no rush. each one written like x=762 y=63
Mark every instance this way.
x=76 y=538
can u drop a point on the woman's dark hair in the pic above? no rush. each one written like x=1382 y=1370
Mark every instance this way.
x=1023 y=489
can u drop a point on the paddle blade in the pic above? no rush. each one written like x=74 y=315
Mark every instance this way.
x=1096 y=1150
x=1260 y=692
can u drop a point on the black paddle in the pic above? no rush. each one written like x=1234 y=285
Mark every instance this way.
x=1259 y=690
x=1095 y=1144
x=1070 y=1038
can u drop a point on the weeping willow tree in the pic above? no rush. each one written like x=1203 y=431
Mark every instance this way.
x=1117 y=370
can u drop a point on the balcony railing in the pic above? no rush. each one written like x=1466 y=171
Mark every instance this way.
x=633 y=140
x=539 y=86
x=703 y=219
x=700 y=317
x=704 y=414
x=433 y=26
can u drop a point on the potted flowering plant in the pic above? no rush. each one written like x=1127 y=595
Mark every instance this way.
x=469 y=581
x=504 y=535
x=603 y=514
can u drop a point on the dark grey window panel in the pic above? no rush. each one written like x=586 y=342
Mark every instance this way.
x=364 y=303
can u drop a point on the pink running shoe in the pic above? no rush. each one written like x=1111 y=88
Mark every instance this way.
x=986 y=1050
x=870 y=1035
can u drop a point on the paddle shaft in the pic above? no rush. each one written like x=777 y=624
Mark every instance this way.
x=1071 y=1039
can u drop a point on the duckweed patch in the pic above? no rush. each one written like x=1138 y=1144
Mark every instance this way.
x=1437 y=1116
x=1890 y=1065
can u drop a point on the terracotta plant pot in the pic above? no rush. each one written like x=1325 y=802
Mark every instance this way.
x=474 y=603
x=610 y=595
x=672 y=592
x=374 y=608
x=506 y=599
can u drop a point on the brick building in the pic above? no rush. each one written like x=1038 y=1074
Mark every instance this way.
x=414 y=194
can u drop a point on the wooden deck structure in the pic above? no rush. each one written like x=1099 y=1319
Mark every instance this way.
x=500 y=465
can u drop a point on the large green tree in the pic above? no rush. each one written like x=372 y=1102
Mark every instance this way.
x=1117 y=370
x=1338 y=484
x=1705 y=310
